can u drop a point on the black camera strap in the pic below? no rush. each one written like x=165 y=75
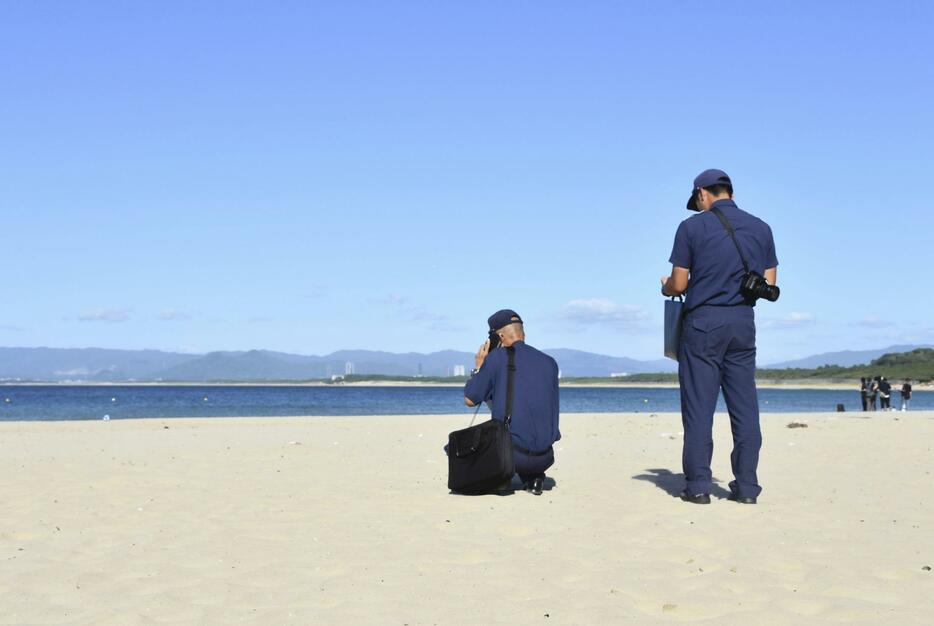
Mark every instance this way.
x=729 y=229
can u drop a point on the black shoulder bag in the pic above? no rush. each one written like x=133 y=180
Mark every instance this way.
x=480 y=457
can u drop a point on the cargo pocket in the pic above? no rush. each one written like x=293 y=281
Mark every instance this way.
x=704 y=336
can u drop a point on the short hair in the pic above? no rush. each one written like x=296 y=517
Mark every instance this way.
x=719 y=189
x=516 y=329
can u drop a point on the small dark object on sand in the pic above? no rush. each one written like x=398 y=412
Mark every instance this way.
x=797 y=425
x=926 y=568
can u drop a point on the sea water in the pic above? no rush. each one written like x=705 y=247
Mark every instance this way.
x=93 y=402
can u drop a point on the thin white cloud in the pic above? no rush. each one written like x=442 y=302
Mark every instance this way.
x=795 y=319
x=402 y=307
x=12 y=329
x=874 y=321
x=172 y=315
x=604 y=312
x=110 y=316
x=907 y=333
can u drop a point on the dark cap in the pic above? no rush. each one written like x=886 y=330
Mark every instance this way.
x=503 y=318
x=707 y=178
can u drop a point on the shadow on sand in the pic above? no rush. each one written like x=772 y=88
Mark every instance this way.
x=549 y=484
x=515 y=486
x=673 y=484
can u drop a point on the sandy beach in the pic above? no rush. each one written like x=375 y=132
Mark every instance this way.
x=347 y=520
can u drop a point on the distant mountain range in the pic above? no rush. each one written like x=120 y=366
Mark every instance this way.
x=100 y=365
x=845 y=358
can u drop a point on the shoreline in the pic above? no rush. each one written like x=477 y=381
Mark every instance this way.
x=764 y=384
x=764 y=415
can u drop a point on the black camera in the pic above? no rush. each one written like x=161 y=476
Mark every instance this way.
x=754 y=287
x=494 y=340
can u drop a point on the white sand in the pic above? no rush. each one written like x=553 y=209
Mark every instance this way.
x=223 y=521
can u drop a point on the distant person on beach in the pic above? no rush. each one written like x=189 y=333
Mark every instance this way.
x=906 y=394
x=534 y=426
x=864 y=393
x=873 y=392
x=885 y=394
x=718 y=331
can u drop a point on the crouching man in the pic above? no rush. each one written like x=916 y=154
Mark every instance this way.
x=534 y=425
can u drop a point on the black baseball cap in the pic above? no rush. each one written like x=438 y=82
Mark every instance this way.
x=707 y=178
x=503 y=318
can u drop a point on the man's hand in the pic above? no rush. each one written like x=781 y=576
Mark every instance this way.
x=481 y=354
x=664 y=283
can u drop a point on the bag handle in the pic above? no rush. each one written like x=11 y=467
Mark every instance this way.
x=729 y=229
x=474 y=415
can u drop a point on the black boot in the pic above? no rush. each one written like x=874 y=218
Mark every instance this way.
x=535 y=485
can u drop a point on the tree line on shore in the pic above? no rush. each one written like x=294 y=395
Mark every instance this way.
x=917 y=365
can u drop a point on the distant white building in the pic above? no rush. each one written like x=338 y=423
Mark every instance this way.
x=348 y=368
x=460 y=370
x=619 y=374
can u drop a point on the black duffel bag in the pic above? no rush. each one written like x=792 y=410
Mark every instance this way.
x=480 y=457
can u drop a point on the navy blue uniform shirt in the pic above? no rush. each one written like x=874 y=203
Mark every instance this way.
x=703 y=246
x=535 y=394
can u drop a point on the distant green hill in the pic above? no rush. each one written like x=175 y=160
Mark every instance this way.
x=916 y=364
x=921 y=356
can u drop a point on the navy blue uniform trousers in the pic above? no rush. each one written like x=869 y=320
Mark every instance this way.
x=529 y=467
x=718 y=351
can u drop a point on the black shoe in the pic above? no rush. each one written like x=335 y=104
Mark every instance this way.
x=535 y=486
x=697 y=498
x=735 y=498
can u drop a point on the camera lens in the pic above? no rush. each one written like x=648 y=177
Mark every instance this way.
x=769 y=292
x=754 y=287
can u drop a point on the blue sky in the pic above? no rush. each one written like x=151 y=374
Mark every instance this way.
x=310 y=176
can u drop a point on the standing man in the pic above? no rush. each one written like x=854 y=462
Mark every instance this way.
x=906 y=394
x=534 y=425
x=885 y=394
x=873 y=392
x=718 y=332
